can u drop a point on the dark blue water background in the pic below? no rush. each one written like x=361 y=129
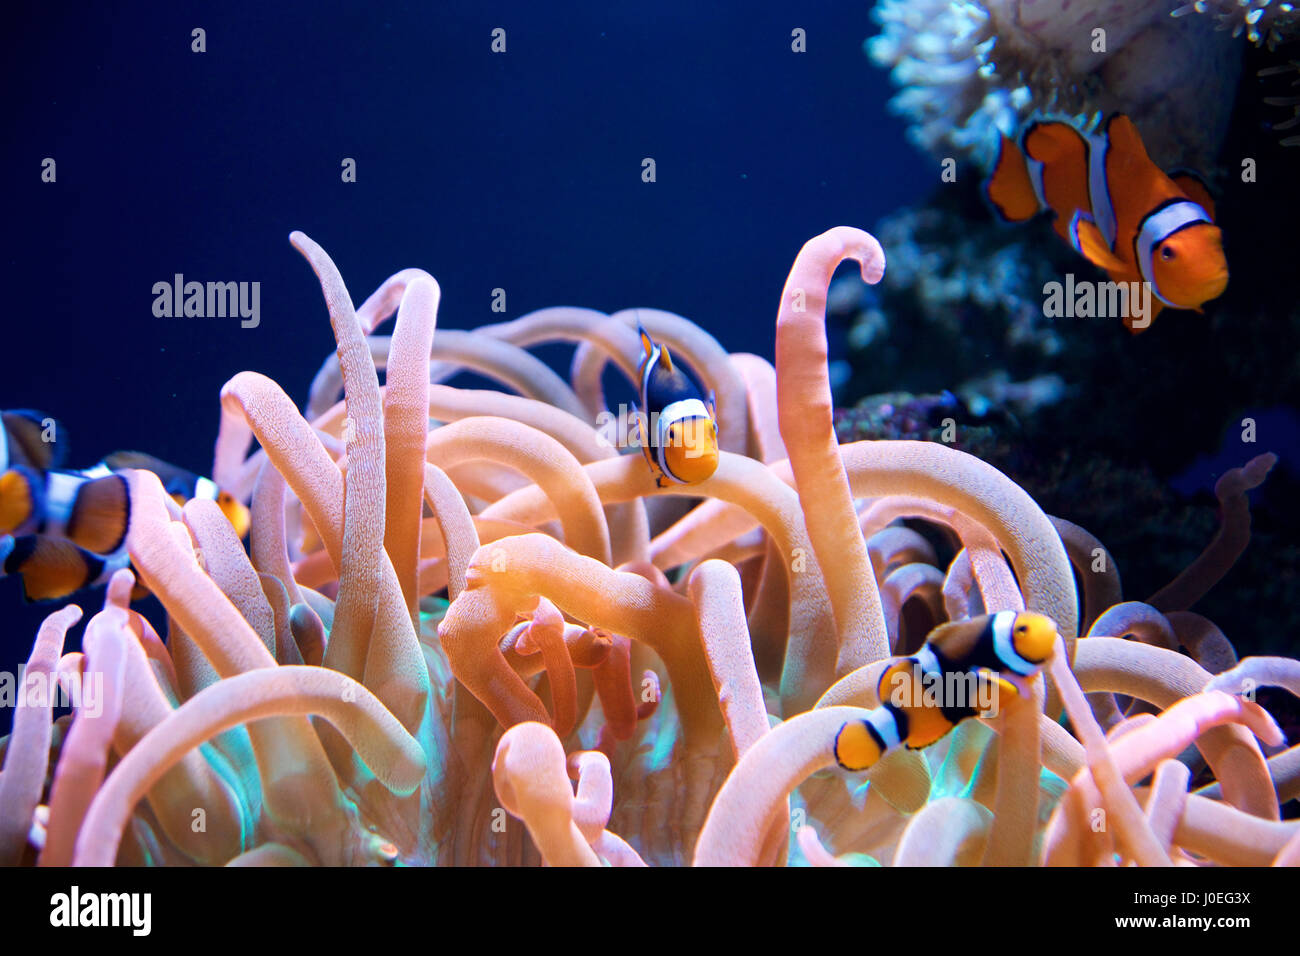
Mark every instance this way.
x=519 y=171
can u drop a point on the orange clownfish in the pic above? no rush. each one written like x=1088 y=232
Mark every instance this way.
x=66 y=530
x=1117 y=208
x=682 y=441
x=956 y=674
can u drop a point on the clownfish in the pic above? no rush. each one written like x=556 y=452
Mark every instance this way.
x=91 y=512
x=1117 y=209
x=920 y=699
x=66 y=530
x=25 y=440
x=682 y=444
x=54 y=568
x=183 y=485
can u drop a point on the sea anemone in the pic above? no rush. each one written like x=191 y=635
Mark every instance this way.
x=609 y=680
x=1291 y=101
x=968 y=70
x=1265 y=22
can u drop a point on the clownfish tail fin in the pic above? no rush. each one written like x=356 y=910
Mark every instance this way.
x=858 y=746
x=1009 y=189
x=100 y=515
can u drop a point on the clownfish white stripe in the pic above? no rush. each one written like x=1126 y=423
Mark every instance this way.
x=1005 y=647
x=1103 y=210
x=4 y=450
x=1159 y=226
x=60 y=495
x=647 y=369
x=1078 y=217
x=927 y=661
x=681 y=410
x=1036 y=180
x=206 y=488
x=884 y=723
x=98 y=471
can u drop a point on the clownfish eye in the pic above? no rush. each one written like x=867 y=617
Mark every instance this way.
x=1166 y=252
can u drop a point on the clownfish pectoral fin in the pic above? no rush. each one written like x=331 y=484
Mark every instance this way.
x=1194 y=188
x=994 y=683
x=1009 y=188
x=993 y=691
x=648 y=453
x=1130 y=321
x=100 y=515
x=1090 y=243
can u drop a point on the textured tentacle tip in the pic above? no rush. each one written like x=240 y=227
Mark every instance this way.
x=40 y=822
x=381 y=850
x=813 y=850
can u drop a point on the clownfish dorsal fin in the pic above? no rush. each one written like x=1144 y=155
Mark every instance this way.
x=647 y=343
x=666 y=357
x=1010 y=187
x=946 y=635
x=1194 y=188
x=996 y=682
x=1092 y=245
x=1125 y=140
x=1052 y=142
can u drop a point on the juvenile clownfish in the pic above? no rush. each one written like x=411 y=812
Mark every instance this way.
x=682 y=445
x=999 y=651
x=1117 y=209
